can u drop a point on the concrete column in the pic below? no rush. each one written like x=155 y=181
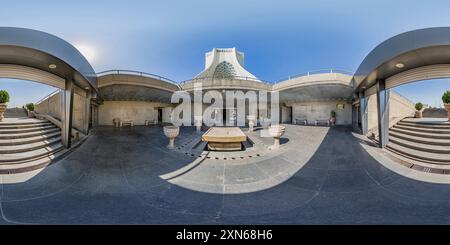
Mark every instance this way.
x=67 y=113
x=364 y=111
x=87 y=111
x=383 y=113
x=355 y=117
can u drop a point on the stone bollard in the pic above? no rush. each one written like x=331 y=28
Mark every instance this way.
x=198 y=121
x=251 y=122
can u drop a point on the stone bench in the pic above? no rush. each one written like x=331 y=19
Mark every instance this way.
x=150 y=122
x=126 y=123
x=300 y=121
x=322 y=122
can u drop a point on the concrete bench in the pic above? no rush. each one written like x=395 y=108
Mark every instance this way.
x=300 y=121
x=126 y=123
x=322 y=122
x=151 y=122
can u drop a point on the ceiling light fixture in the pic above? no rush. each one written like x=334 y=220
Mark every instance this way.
x=52 y=66
x=399 y=65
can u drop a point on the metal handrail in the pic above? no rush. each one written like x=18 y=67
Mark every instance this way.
x=229 y=77
x=139 y=73
x=305 y=74
x=145 y=74
x=48 y=96
x=322 y=71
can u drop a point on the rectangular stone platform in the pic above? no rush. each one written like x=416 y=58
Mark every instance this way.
x=224 y=138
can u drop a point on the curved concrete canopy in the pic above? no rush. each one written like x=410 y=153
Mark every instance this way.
x=317 y=87
x=136 y=80
x=36 y=49
x=234 y=83
x=418 y=48
x=126 y=92
x=319 y=92
x=130 y=87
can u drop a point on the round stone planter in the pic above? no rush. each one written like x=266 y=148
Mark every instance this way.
x=2 y=110
x=447 y=106
x=31 y=114
x=418 y=114
x=276 y=131
x=171 y=132
x=333 y=121
x=116 y=122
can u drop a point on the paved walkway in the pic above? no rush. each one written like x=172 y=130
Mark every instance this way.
x=116 y=177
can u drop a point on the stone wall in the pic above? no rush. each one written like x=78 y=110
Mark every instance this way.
x=138 y=111
x=52 y=106
x=435 y=113
x=312 y=111
x=399 y=108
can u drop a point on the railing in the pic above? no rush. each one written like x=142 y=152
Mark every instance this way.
x=144 y=74
x=138 y=73
x=48 y=96
x=227 y=77
x=316 y=72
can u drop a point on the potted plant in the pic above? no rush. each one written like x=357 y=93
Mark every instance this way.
x=4 y=98
x=446 y=100
x=30 y=109
x=419 y=107
x=333 y=117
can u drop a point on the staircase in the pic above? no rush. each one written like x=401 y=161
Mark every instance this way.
x=27 y=144
x=15 y=113
x=427 y=142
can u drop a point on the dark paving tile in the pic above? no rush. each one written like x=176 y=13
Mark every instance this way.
x=114 y=178
x=273 y=200
x=183 y=201
x=308 y=178
x=347 y=181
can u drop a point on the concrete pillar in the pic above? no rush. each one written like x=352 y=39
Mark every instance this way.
x=87 y=111
x=383 y=113
x=364 y=111
x=355 y=117
x=67 y=113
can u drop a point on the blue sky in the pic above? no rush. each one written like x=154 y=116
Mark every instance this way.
x=279 y=38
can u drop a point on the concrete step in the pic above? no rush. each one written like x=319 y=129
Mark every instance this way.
x=26 y=130
x=420 y=146
x=30 y=134
x=11 y=149
x=23 y=126
x=34 y=154
x=424 y=130
x=22 y=121
x=424 y=125
x=30 y=165
x=415 y=154
x=414 y=132
x=423 y=140
x=21 y=141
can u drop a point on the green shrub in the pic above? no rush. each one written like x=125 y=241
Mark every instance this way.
x=446 y=97
x=418 y=106
x=4 y=96
x=333 y=114
x=30 y=106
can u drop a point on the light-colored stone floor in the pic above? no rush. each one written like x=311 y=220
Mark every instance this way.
x=254 y=169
